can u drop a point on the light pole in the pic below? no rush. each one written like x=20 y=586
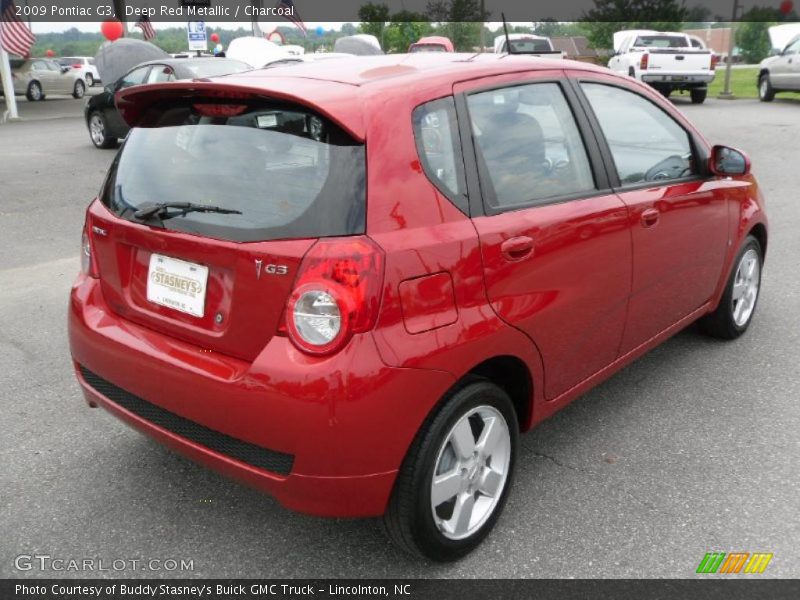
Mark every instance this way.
x=726 y=92
x=483 y=33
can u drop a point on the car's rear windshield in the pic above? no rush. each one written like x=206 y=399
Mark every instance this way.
x=290 y=172
x=66 y=61
x=661 y=41
x=530 y=46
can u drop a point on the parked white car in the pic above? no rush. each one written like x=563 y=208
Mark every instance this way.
x=37 y=77
x=85 y=67
x=667 y=61
x=781 y=73
x=526 y=43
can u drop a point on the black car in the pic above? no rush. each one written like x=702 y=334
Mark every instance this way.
x=103 y=120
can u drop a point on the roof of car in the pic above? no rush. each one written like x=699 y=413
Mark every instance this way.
x=397 y=69
x=339 y=92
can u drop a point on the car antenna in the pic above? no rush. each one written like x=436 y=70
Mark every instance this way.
x=509 y=50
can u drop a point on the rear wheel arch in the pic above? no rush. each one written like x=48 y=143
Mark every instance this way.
x=514 y=377
x=759 y=231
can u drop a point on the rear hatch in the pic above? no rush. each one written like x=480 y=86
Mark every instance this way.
x=265 y=180
x=684 y=61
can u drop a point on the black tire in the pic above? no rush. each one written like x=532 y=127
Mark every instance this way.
x=409 y=519
x=698 y=95
x=100 y=138
x=79 y=89
x=766 y=93
x=89 y=80
x=34 y=92
x=722 y=323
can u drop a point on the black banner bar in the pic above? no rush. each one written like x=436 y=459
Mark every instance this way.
x=707 y=588
x=180 y=11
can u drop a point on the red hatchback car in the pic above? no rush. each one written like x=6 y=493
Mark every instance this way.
x=354 y=287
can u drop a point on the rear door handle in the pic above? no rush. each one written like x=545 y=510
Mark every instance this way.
x=650 y=217
x=517 y=248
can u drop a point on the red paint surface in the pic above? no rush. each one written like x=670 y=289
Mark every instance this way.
x=599 y=287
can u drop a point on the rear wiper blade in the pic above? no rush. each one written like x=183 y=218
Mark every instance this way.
x=183 y=208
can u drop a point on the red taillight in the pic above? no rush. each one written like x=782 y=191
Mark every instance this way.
x=76 y=66
x=714 y=61
x=644 y=61
x=336 y=294
x=220 y=110
x=88 y=261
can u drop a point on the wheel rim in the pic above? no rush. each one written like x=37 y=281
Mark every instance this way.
x=97 y=130
x=745 y=287
x=79 y=89
x=36 y=91
x=89 y=80
x=471 y=472
x=763 y=87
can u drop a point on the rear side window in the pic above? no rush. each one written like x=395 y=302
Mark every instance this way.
x=290 y=172
x=529 y=148
x=646 y=143
x=439 y=149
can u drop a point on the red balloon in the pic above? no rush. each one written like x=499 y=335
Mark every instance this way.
x=112 y=30
x=786 y=7
x=50 y=53
x=215 y=37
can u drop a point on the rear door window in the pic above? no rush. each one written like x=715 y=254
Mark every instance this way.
x=290 y=172
x=529 y=148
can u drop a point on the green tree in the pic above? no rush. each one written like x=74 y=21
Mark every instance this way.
x=405 y=28
x=460 y=20
x=373 y=19
x=752 y=36
x=610 y=16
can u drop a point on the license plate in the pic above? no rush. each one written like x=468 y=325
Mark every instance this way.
x=678 y=78
x=177 y=284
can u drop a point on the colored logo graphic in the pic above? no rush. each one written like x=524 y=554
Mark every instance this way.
x=734 y=562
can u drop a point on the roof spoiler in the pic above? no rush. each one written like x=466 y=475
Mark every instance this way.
x=133 y=102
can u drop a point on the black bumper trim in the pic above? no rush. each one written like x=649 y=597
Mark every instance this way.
x=251 y=454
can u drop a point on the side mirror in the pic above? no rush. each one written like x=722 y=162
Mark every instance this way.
x=65 y=69
x=728 y=161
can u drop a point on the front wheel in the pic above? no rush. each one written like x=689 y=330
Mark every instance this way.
x=78 y=90
x=98 y=131
x=454 y=482
x=34 y=91
x=766 y=93
x=698 y=95
x=738 y=304
x=89 y=80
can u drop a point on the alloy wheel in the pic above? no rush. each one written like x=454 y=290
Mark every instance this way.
x=97 y=129
x=471 y=472
x=745 y=287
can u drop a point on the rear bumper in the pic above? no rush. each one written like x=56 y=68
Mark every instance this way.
x=338 y=428
x=678 y=79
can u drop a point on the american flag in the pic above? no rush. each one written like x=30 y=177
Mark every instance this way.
x=15 y=37
x=294 y=17
x=146 y=26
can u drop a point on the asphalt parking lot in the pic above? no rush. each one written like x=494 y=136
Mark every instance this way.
x=694 y=448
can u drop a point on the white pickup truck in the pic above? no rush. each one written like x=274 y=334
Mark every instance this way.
x=667 y=61
x=526 y=43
